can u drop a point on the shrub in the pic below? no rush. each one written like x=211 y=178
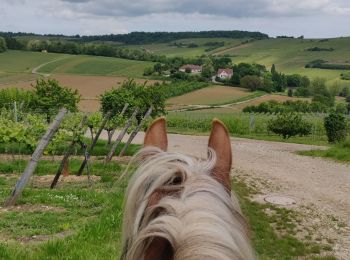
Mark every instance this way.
x=288 y=125
x=336 y=127
x=251 y=82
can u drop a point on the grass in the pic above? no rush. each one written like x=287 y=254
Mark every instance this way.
x=89 y=216
x=241 y=125
x=289 y=55
x=92 y=65
x=89 y=219
x=339 y=152
x=101 y=148
x=274 y=233
x=18 y=65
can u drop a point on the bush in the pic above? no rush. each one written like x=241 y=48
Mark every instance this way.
x=251 y=82
x=336 y=127
x=288 y=125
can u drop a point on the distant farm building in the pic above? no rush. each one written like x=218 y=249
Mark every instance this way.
x=191 y=68
x=224 y=73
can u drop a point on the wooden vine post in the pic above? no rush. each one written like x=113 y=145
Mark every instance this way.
x=121 y=135
x=29 y=170
x=111 y=133
x=67 y=153
x=104 y=122
x=134 y=133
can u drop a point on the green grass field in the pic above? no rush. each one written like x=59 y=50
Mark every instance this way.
x=290 y=55
x=171 y=51
x=92 y=65
x=76 y=221
x=18 y=65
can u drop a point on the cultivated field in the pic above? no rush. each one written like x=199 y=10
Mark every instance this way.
x=290 y=55
x=170 y=50
x=210 y=96
x=90 y=87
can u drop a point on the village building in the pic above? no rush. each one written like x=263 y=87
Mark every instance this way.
x=224 y=73
x=191 y=68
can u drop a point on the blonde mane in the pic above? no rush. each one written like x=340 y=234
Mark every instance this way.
x=201 y=221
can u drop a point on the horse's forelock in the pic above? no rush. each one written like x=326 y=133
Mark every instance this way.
x=173 y=198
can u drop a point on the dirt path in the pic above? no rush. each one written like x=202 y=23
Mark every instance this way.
x=321 y=187
x=35 y=70
x=236 y=47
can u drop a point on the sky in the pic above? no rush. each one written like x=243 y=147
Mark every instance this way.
x=311 y=18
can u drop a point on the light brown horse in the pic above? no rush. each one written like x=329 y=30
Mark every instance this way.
x=179 y=207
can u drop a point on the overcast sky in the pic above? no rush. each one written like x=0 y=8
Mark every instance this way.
x=312 y=18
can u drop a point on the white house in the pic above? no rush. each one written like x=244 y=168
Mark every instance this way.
x=195 y=69
x=224 y=73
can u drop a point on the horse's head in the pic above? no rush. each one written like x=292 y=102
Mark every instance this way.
x=179 y=207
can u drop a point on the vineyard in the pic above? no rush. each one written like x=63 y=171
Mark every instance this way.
x=243 y=125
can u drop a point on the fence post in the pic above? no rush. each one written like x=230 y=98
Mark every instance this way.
x=97 y=135
x=110 y=135
x=134 y=133
x=120 y=136
x=67 y=154
x=22 y=182
x=15 y=111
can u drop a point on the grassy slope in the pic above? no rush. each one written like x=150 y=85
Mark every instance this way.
x=171 y=51
x=289 y=55
x=91 y=65
x=17 y=65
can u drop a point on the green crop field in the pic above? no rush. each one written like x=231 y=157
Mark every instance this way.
x=291 y=55
x=18 y=65
x=92 y=65
x=170 y=50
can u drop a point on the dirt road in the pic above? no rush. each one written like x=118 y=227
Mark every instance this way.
x=320 y=187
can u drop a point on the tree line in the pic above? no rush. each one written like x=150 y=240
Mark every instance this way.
x=146 y=37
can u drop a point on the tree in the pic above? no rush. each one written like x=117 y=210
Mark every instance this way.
x=336 y=127
x=294 y=81
x=273 y=69
x=267 y=82
x=321 y=93
x=136 y=95
x=3 y=46
x=251 y=82
x=348 y=101
x=207 y=70
x=49 y=97
x=158 y=68
x=345 y=92
x=288 y=125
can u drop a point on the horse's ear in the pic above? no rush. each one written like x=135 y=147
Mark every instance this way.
x=219 y=141
x=156 y=134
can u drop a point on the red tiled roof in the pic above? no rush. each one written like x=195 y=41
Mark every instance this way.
x=191 y=66
x=228 y=71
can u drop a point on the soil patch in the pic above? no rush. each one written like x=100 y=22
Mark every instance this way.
x=31 y=208
x=46 y=180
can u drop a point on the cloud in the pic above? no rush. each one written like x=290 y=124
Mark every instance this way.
x=314 y=18
x=229 y=8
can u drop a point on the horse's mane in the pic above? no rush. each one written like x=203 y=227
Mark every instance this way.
x=200 y=220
